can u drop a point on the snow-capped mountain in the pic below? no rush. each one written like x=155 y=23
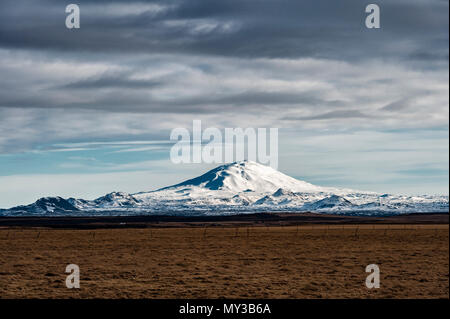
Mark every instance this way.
x=240 y=187
x=44 y=206
x=246 y=176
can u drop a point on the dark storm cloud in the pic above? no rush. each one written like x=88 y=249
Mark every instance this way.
x=119 y=93
x=313 y=60
x=112 y=82
x=241 y=28
x=260 y=99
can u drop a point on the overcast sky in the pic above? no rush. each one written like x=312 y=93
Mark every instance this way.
x=88 y=111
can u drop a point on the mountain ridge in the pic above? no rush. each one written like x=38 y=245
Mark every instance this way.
x=238 y=187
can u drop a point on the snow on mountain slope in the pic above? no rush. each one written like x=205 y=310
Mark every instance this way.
x=247 y=176
x=238 y=183
x=111 y=200
x=240 y=187
x=331 y=202
x=45 y=205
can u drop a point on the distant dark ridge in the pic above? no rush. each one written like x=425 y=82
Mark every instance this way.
x=258 y=219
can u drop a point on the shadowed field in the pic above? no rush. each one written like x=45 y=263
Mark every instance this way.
x=310 y=261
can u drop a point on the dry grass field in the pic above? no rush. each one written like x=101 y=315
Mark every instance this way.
x=319 y=261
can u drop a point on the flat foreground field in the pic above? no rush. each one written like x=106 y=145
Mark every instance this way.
x=307 y=261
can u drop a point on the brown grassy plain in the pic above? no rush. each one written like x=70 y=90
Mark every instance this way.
x=315 y=261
